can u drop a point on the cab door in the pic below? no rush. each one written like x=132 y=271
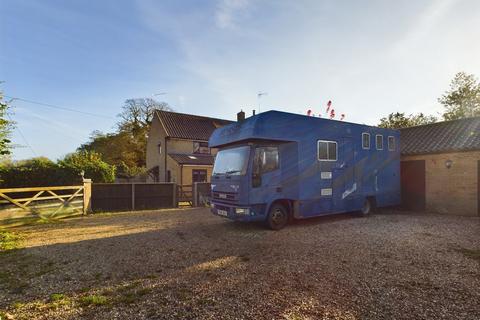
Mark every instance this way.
x=266 y=175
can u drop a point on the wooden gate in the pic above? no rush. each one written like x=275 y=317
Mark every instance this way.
x=44 y=202
x=185 y=195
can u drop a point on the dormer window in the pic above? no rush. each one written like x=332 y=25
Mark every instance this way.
x=201 y=147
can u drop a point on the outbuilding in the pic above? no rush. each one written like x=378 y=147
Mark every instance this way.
x=440 y=167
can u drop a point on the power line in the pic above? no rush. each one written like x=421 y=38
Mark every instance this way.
x=59 y=107
x=23 y=137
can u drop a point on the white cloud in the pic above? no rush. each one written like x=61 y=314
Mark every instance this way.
x=369 y=61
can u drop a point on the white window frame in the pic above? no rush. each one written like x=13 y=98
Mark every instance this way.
x=336 y=150
x=376 y=144
x=369 y=141
x=394 y=143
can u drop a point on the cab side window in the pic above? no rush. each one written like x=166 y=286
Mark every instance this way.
x=265 y=160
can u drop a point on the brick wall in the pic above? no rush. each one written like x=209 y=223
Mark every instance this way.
x=454 y=190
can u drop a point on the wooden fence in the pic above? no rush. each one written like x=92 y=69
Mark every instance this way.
x=53 y=202
x=44 y=202
x=132 y=196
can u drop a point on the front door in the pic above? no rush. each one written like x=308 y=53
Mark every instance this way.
x=412 y=174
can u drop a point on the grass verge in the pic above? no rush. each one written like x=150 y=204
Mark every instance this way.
x=95 y=300
x=472 y=254
x=9 y=241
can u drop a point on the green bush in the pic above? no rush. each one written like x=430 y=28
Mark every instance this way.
x=90 y=164
x=41 y=171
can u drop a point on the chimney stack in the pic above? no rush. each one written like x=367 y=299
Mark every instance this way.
x=253 y=112
x=240 y=116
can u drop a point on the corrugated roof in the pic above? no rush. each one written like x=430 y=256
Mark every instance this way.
x=448 y=136
x=189 y=126
x=193 y=159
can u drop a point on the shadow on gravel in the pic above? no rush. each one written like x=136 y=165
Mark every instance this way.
x=213 y=268
x=193 y=269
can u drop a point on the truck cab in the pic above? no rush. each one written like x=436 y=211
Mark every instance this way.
x=246 y=179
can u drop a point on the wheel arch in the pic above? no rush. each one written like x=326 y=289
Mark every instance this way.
x=287 y=203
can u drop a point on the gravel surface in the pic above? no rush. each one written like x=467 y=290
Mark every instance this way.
x=189 y=264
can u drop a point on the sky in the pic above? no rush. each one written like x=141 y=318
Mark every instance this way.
x=212 y=58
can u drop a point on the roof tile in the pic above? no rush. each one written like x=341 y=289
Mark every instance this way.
x=447 y=136
x=188 y=126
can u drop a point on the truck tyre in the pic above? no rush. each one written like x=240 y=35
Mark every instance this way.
x=368 y=207
x=277 y=217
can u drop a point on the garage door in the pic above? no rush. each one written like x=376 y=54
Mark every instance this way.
x=413 y=184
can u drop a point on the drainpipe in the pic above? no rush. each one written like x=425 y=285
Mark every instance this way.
x=165 y=167
x=181 y=174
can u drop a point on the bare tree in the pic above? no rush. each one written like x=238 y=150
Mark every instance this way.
x=137 y=114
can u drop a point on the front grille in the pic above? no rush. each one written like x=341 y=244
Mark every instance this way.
x=225 y=196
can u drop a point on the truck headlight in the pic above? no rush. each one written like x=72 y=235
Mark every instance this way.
x=242 y=211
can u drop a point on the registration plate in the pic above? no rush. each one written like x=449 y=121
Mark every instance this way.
x=222 y=212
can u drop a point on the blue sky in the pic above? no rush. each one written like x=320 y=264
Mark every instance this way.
x=213 y=57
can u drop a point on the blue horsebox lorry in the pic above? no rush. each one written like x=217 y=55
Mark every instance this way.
x=276 y=166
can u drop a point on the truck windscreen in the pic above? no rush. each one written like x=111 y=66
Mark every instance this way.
x=232 y=161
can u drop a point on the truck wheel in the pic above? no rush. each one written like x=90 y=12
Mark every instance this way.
x=368 y=207
x=277 y=217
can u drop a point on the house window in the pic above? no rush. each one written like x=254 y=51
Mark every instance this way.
x=365 y=140
x=379 y=141
x=199 y=175
x=201 y=147
x=326 y=150
x=391 y=143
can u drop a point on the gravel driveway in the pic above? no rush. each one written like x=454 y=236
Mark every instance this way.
x=189 y=264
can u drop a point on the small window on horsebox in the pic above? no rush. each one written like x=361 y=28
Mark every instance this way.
x=379 y=141
x=365 y=140
x=391 y=143
x=326 y=150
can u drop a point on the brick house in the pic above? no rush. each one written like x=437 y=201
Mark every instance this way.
x=177 y=147
x=440 y=166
